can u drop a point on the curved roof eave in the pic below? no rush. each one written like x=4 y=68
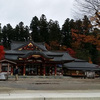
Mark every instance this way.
x=36 y=53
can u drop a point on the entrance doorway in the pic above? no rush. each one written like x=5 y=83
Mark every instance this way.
x=32 y=69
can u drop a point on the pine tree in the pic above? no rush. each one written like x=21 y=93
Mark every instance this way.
x=54 y=31
x=66 y=32
x=44 y=29
x=35 y=29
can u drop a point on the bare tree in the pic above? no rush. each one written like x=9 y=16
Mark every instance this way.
x=91 y=8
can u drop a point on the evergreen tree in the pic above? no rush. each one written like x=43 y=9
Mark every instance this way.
x=0 y=33
x=54 y=31
x=78 y=26
x=16 y=33
x=44 y=29
x=66 y=32
x=4 y=35
x=35 y=28
x=9 y=33
x=72 y=24
x=21 y=31
x=86 y=25
x=26 y=33
x=92 y=51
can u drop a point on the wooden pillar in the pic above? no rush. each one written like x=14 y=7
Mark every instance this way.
x=44 y=70
x=38 y=70
x=8 y=69
x=24 y=70
x=55 y=70
x=0 y=67
x=50 y=70
x=11 y=70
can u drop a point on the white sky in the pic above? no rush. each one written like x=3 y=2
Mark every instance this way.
x=15 y=11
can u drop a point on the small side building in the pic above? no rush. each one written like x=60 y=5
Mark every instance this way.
x=81 y=68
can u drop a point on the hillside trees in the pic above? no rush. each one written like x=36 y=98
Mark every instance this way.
x=54 y=34
x=66 y=33
x=44 y=29
x=19 y=33
x=74 y=35
x=87 y=44
x=54 y=31
x=35 y=29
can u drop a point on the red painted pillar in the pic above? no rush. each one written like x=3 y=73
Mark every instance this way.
x=24 y=70
x=11 y=70
x=55 y=70
x=8 y=69
x=38 y=70
x=44 y=70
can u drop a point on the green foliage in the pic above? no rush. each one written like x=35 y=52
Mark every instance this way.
x=35 y=31
x=44 y=29
x=66 y=32
x=82 y=54
x=41 y=30
x=54 y=31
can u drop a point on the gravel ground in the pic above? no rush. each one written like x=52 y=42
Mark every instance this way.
x=50 y=84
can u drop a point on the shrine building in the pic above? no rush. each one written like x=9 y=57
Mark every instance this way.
x=34 y=59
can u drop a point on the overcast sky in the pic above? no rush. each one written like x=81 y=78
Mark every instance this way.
x=15 y=11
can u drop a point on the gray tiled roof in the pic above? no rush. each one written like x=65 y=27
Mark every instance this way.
x=41 y=46
x=56 y=56
x=81 y=66
x=60 y=56
x=14 y=53
x=36 y=53
x=11 y=57
x=7 y=61
x=17 y=45
x=79 y=60
x=86 y=69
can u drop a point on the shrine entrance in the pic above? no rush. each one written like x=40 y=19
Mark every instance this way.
x=33 y=69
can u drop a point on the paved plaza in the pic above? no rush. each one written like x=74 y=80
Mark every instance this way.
x=52 y=83
x=50 y=88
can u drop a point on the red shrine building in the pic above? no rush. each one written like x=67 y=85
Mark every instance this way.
x=34 y=59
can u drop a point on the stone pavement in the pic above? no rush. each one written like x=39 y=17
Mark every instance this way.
x=50 y=95
x=50 y=89
x=52 y=84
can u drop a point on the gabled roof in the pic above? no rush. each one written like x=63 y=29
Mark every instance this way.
x=81 y=66
x=12 y=57
x=8 y=61
x=17 y=52
x=60 y=56
x=15 y=45
x=18 y=45
x=80 y=60
x=36 y=53
x=55 y=56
